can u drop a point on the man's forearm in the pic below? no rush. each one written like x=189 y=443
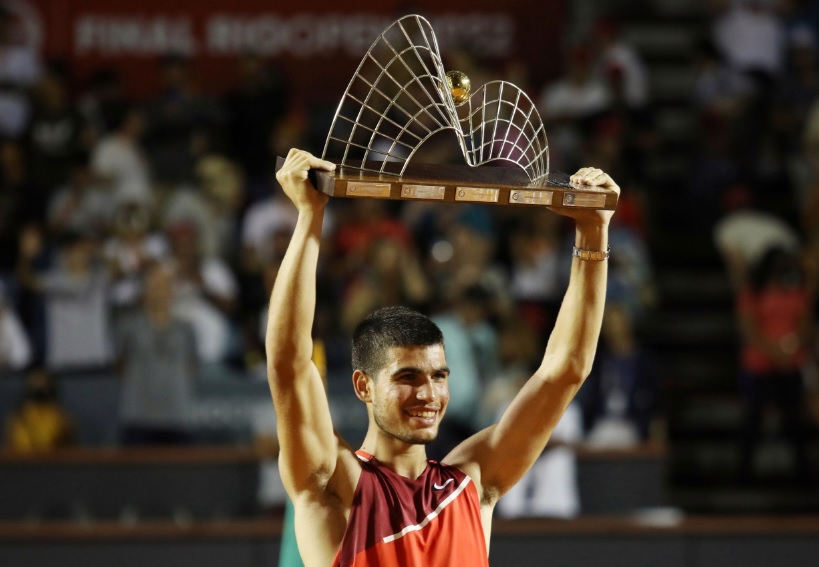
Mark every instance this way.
x=573 y=342
x=293 y=300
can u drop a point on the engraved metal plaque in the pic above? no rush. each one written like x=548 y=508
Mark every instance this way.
x=361 y=189
x=426 y=192
x=525 y=197
x=477 y=194
x=584 y=200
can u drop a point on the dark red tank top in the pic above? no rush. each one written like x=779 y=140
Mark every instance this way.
x=433 y=521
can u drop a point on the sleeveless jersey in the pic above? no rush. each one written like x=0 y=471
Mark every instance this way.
x=434 y=521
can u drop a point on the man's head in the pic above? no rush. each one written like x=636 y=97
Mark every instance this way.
x=401 y=373
x=390 y=327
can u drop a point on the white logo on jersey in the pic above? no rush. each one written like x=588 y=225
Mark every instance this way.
x=436 y=486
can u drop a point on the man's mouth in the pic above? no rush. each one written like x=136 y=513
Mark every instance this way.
x=423 y=414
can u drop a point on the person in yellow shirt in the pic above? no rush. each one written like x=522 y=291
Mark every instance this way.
x=39 y=424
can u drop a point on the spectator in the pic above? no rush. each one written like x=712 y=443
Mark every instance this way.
x=775 y=310
x=75 y=292
x=213 y=205
x=472 y=347
x=39 y=424
x=57 y=132
x=254 y=107
x=129 y=251
x=204 y=293
x=81 y=204
x=158 y=364
x=550 y=487
x=15 y=351
x=264 y=218
x=180 y=122
x=19 y=203
x=19 y=72
x=751 y=38
x=616 y=56
x=102 y=101
x=745 y=233
x=119 y=162
x=393 y=277
x=534 y=250
x=579 y=95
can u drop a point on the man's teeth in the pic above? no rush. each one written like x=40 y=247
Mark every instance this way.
x=424 y=414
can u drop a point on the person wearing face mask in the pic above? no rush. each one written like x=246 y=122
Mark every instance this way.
x=39 y=424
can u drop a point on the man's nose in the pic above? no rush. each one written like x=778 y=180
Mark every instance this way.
x=426 y=391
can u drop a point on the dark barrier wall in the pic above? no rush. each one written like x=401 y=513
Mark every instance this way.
x=586 y=543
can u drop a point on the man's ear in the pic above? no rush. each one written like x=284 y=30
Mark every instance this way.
x=362 y=386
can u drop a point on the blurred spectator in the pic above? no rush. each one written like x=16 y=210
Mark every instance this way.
x=129 y=251
x=204 y=292
x=577 y=96
x=472 y=349
x=751 y=37
x=180 y=122
x=19 y=71
x=465 y=256
x=393 y=276
x=254 y=108
x=158 y=363
x=212 y=205
x=535 y=278
x=118 y=159
x=744 y=233
x=101 y=102
x=266 y=217
x=720 y=90
x=618 y=397
x=19 y=203
x=39 y=424
x=549 y=489
x=775 y=310
x=56 y=133
x=795 y=95
x=15 y=351
x=75 y=292
x=81 y=204
x=616 y=57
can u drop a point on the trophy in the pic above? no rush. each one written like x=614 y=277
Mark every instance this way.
x=400 y=96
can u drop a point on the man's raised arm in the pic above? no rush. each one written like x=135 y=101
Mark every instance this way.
x=502 y=454
x=308 y=444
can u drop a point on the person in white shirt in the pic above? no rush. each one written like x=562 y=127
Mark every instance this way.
x=15 y=350
x=118 y=161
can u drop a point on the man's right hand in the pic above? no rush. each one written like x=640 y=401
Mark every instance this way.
x=293 y=178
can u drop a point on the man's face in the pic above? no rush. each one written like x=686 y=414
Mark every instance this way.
x=411 y=393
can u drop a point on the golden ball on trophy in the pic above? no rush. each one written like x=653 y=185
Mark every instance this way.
x=459 y=86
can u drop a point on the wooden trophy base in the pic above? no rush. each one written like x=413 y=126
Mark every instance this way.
x=463 y=184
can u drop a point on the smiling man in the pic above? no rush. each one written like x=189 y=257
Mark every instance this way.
x=386 y=504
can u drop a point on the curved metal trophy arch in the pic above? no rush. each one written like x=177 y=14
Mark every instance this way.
x=400 y=96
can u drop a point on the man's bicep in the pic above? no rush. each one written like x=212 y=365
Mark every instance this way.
x=309 y=447
x=503 y=453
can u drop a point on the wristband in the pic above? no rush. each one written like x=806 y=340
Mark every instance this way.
x=593 y=255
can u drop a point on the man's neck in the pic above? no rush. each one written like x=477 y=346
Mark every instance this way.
x=406 y=459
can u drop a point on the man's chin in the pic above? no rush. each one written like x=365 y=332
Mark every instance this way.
x=417 y=439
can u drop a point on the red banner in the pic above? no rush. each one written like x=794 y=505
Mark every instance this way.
x=317 y=45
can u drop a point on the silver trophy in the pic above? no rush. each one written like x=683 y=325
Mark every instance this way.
x=401 y=95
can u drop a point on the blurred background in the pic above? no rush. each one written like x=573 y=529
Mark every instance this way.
x=141 y=230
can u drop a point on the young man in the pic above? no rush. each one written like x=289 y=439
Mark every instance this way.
x=386 y=504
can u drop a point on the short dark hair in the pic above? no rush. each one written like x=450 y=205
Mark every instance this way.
x=390 y=327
